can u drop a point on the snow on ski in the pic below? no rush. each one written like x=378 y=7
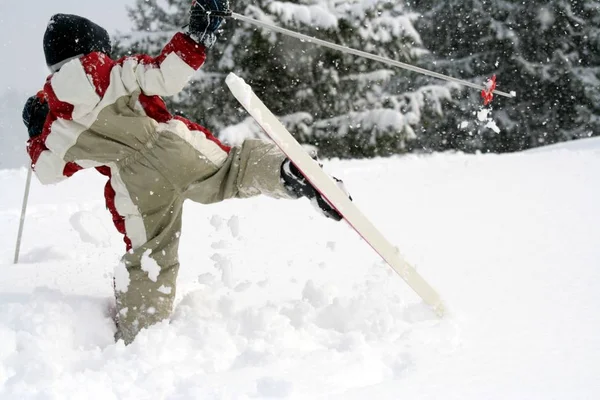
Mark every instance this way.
x=327 y=187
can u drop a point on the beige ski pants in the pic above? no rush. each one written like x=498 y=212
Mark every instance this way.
x=159 y=179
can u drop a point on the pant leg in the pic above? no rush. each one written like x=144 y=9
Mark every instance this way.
x=251 y=169
x=151 y=268
x=145 y=295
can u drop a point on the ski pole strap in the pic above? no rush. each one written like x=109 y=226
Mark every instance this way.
x=364 y=54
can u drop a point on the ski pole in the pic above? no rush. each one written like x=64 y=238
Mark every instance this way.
x=360 y=53
x=23 y=210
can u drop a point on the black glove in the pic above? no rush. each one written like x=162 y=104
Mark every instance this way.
x=298 y=185
x=34 y=114
x=206 y=17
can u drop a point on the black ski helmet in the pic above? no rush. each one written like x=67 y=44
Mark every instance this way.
x=69 y=36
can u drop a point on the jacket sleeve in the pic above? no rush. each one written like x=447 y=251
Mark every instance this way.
x=82 y=85
x=48 y=167
x=167 y=74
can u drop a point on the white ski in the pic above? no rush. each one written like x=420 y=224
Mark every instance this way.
x=330 y=191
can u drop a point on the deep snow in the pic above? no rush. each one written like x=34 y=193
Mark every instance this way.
x=278 y=302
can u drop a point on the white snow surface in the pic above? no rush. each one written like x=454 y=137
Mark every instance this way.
x=275 y=301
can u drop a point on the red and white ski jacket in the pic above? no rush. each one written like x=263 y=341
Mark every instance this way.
x=84 y=88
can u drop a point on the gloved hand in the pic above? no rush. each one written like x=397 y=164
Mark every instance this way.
x=298 y=185
x=35 y=113
x=206 y=17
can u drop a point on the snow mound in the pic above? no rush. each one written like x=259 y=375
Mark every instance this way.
x=274 y=301
x=587 y=144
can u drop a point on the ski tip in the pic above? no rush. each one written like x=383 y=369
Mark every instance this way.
x=233 y=79
x=240 y=89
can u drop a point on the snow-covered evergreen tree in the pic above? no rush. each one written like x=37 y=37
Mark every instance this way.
x=548 y=52
x=346 y=105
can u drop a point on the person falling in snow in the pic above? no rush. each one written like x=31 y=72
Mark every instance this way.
x=96 y=112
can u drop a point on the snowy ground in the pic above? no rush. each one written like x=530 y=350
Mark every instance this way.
x=277 y=302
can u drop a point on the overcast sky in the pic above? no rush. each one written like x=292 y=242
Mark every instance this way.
x=22 y=26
